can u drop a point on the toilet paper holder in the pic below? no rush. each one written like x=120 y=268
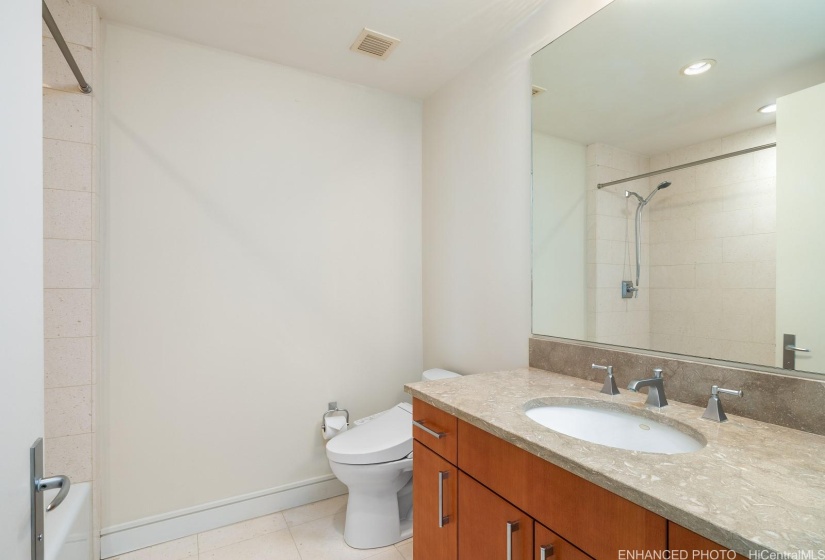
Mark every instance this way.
x=332 y=409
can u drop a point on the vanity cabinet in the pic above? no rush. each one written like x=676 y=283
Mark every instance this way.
x=478 y=497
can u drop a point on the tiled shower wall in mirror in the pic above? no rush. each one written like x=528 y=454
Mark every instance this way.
x=708 y=279
x=713 y=252
x=611 y=251
x=70 y=245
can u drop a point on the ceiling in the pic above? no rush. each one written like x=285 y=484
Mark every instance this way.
x=438 y=37
x=615 y=78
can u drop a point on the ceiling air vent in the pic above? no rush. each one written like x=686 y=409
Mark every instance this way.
x=374 y=44
x=538 y=89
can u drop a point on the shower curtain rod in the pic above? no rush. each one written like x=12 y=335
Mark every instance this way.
x=67 y=54
x=691 y=164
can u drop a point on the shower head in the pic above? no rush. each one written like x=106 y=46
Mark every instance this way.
x=662 y=185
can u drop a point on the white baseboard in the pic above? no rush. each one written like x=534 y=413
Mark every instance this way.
x=120 y=539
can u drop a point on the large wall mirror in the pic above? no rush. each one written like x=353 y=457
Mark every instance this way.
x=679 y=180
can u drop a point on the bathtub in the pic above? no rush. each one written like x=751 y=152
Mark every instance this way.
x=69 y=527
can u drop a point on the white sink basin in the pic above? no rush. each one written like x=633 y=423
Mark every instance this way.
x=614 y=427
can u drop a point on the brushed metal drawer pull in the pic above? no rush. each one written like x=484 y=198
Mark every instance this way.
x=547 y=551
x=512 y=527
x=436 y=435
x=442 y=519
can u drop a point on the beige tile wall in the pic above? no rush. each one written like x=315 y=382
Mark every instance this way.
x=713 y=251
x=70 y=245
x=611 y=249
x=708 y=251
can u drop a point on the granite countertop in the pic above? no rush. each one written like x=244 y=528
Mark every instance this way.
x=754 y=486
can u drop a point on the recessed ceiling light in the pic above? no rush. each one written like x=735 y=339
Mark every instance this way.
x=770 y=108
x=698 y=67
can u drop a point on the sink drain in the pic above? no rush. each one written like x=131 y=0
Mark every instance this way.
x=644 y=426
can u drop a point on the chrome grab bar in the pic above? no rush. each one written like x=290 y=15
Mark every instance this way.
x=420 y=424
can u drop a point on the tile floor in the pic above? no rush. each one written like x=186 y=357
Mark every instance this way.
x=311 y=532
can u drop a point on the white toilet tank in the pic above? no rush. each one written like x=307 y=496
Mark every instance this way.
x=433 y=374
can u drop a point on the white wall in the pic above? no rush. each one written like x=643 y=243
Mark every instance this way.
x=559 y=218
x=263 y=258
x=21 y=273
x=476 y=204
x=800 y=261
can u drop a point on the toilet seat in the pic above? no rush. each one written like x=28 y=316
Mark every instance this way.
x=384 y=439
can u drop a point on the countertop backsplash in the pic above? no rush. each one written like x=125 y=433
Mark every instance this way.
x=786 y=401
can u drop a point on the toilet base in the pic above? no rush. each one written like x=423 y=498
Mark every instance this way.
x=379 y=508
x=369 y=527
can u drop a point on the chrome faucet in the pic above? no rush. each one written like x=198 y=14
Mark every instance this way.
x=714 y=410
x=609 y=387
x=656 y=391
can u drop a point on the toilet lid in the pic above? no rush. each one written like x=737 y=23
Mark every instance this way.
x=384 y=439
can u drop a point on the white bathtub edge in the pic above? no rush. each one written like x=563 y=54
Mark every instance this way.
x=149 y=531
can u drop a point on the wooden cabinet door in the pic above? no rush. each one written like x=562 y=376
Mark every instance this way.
x=483 y=532
x=435 y=506
x=555 y=547
x=681 y=539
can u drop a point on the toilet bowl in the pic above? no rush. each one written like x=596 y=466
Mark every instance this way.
x=374 y=461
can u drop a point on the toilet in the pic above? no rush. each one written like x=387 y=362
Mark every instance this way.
x=374 y=460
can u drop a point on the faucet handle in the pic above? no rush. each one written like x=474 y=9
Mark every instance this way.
x=716 y=389
x=657 y=372
x=609 y=387
x=714 y=410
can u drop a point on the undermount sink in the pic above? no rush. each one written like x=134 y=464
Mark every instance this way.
x=614 y=425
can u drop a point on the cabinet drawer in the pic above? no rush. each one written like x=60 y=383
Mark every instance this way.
x=680 y=539
x=550 y=546
x=439 y=431
x=593 y=519
x=435 y=506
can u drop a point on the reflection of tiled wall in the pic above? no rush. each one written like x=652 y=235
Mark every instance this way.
x=70 y=243
x=611 y=255
x=713 y=251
